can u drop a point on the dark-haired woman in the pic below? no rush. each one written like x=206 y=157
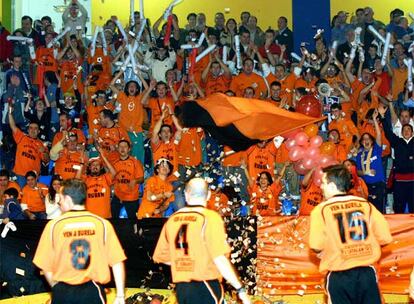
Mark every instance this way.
x=53 y=198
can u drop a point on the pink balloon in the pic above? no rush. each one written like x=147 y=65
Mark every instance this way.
x=313 y=152
x=317 y=174
x=296 y=153
x=290 y=144
x=299 y=168
x=301 y=139
x=309 y=163
x=325 y=160
x=316 y=141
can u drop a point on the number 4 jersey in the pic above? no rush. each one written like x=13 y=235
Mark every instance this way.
x=349 y=231
x=78 y=247
x=190 y=240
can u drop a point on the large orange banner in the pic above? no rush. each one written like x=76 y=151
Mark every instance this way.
x=286 y=265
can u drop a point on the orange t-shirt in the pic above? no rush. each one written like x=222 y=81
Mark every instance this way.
x=59 y=135
x=311 y=196
x=190 y=241
x=156 y=186
x=46 y=57
x=398 y=79
x=346 y=129
x=28 y=153
x=168 y=150
x=242 y=81
x=32 y=198
x=219 y=202
x=93 y=116
x=189 y=148
x=215 y=85
x=233 y=160
x=302 y=83
x=349 y=231
x=261 y=159
x=11 y=184
x=265 y=202
x=67 y=159
x=79 y=247
x=109 y=139
x=132 y=112
x=282 y=154
x=156 y=105
x=98 y=194
x=97 y=81
x=68 y=69
x=127 y=170
x=101 y=59
x=340 y=153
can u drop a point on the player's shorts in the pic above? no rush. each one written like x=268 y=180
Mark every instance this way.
x=90 y=292
x=355 y=285
x=203 y=292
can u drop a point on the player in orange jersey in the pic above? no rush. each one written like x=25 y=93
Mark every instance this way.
x=193 y=242
x=76 y=250
x=348 y=232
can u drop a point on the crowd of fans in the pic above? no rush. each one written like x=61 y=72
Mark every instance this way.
x=104 y=110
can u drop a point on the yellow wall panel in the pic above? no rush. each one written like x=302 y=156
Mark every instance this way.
x=382 y=8
x=267 y=11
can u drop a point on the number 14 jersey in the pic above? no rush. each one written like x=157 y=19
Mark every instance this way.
x=190 y=240
x=349 y=231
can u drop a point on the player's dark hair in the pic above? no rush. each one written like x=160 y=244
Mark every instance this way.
x=75 y=189
x=340 y=176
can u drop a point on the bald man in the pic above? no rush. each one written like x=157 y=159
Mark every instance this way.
x=193 y=241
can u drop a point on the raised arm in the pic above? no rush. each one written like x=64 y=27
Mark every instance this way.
x=146 y=96
x=378 y=139
x=157 y=127
x=106 y=162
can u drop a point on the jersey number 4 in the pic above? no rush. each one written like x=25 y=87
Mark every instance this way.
x=352 y=226
x=181 y=239
x=80 y=250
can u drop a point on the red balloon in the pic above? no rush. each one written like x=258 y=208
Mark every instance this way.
x=301 y=139
x=316 y=141
x=309 y=105
x=300 y=168
x=296 y=153
x=290 y=144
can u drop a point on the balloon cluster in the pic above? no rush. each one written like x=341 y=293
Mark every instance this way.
x=307 y=150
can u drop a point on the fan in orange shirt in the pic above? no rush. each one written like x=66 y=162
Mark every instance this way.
x=109 y=135
x=132 y=115
x=264 y=192
x=98 y=184
x=216 y=77
x=261 y=157
x=6 y=183
x=311 y=194
x=248 y=79
x=158 y=193
x=68 y=158
x=33 y=197
x=307 y=80
x=66 y=126
x=69 y=68
x=129 y=174
x=340 y=153
x=159 y=103
x=164 y=143
x=345 y=126
x=287 y=81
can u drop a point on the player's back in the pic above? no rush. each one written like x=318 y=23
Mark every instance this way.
x=79 y=244
x=195 y=236
x=353 y=233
